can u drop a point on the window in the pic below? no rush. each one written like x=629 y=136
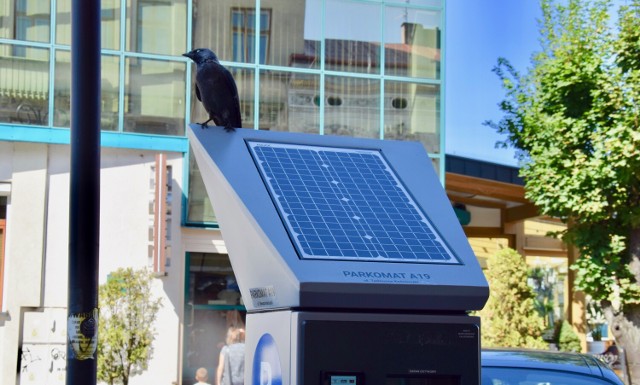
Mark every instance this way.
x=24 y=85
x=352 y=43
x=154 y=96
x=32 y=19
x=199 y=210
x=548 y=276
x=287 y=101
x=110 y=25
x=109 y=99
x=157 y=27
x=412 y=42
x=352 y=107
x=243 y=27
x=212 y=304
x=412 y=112
x=294 y=33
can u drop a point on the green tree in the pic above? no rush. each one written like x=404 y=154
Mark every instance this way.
x=566 y=338
x=575 y=117
x=125 y=331
x=509 y=319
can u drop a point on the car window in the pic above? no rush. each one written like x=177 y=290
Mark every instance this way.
x=526 y=376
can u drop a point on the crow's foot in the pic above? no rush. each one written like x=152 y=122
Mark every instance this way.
x=204 y=124
x=229 y=129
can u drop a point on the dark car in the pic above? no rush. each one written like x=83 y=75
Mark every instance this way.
x=532 y=367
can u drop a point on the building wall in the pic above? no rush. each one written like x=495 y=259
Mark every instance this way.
x=37 y=253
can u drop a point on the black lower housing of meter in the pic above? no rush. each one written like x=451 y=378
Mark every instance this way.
x=389 y=353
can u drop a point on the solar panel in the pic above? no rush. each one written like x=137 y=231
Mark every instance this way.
x=346 y=204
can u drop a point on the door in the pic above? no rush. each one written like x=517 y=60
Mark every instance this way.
x=212 y=305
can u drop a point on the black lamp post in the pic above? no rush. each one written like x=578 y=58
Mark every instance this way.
x=84 y=205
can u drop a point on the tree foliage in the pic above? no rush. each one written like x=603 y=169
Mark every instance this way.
x=125 y=334
x=565 y=337
x=510 y=319
x=575 y=118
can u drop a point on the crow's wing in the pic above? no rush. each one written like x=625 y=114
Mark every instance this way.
x=198 y=92
x=232 y=89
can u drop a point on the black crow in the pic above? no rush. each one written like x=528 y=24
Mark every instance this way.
x=216 y=89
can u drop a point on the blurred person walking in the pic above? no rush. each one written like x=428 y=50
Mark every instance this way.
x=230 y=369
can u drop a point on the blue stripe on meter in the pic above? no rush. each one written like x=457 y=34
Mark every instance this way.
x=266 y=362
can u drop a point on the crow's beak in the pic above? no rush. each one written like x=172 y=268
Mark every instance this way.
x=188 y=54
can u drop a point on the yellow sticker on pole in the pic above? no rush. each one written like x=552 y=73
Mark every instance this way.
x=82 y=332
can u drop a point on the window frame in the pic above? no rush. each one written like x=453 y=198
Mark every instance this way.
x=247 y=32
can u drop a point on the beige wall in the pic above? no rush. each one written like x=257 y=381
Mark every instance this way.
x=37 y=248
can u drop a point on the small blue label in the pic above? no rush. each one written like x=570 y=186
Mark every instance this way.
x=266 y=362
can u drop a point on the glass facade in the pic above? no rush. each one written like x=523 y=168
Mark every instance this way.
x=365 y=68
x=155 y=96
x=24 y=84
x=109 y=90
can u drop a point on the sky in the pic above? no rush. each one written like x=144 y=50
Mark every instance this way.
x=478 y=32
